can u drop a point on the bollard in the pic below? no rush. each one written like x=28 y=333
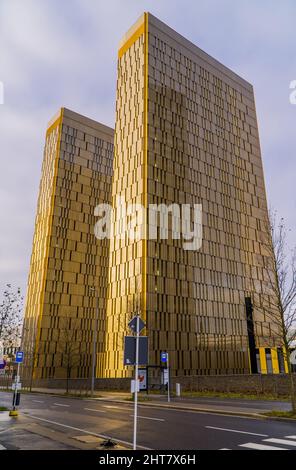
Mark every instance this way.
x=178 y=390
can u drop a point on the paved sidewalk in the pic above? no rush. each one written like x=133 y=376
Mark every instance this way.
x=24 y=434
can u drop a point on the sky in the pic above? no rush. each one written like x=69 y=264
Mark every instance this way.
x=63 y=53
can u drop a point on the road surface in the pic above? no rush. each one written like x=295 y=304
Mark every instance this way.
x=158 y=428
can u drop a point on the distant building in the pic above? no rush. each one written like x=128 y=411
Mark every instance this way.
x=67 y=260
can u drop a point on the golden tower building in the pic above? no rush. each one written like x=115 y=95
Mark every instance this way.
x=67 y=260
x=186 y=133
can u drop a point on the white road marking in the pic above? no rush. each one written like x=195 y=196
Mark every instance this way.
x=2 y=447
x=224 y=448
x=7 y=430
x=38 y=401
x=92 y=409
x=168 y=409
x=103 y=436
x=206 y=412
x=112 y=407
x=281 y=441
x=60 y=404
x=148 y=417
x=290 y=437
x=252 y=445
x=235 y=430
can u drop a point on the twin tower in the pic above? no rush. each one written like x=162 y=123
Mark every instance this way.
x=186 y=134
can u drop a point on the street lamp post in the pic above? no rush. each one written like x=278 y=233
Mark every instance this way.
x=94 y=353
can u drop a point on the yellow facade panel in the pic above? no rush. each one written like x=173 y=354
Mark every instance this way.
x=132 y=40
x=275 y=361
x=263 y=363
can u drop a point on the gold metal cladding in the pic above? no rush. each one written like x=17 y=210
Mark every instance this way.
x=57 y=123
x=132 y=39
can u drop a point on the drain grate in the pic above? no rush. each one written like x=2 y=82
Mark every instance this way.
x=108 y=443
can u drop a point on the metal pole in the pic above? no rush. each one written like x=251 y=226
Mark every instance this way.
x=94 y=355
x=136 y=386
x=168 y=366
x=16 y=382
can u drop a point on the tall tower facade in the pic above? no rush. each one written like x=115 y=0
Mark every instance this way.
x=186 y=133
x=67 y=261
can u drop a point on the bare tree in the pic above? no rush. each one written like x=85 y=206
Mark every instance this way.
x=70 y=346
x=11 y=317
x=133 y=306
x=278 y=301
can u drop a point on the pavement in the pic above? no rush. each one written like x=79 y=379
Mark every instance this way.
x=59 y=422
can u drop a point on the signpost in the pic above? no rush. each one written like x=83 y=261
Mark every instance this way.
x=164 y=357
x=142 y=379
x=133 y=324
x=2 y=361
x=136 y=382
x=17 y=384
x=130 y=350
x=135 y=353
x=1 y=356
x=165 y=376
x=19 y=357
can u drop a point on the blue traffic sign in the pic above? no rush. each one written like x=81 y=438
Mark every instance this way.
x=164 y=357
x=19 y=357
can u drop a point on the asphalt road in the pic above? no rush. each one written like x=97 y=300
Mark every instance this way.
x=158 y=428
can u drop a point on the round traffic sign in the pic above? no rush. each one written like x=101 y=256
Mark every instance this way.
x=164 y=357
